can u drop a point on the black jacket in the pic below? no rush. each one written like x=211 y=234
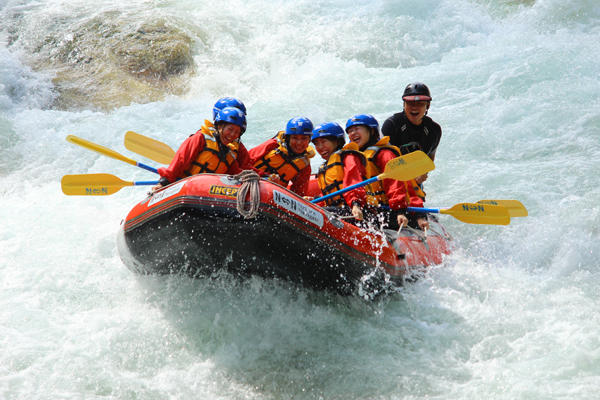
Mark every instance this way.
x=403 y=133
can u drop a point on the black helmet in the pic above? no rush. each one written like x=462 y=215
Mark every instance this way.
x=416 y=91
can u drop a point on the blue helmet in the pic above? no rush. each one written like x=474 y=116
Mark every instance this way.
x=232 y=115
x=228 y=102
x=299 y=126
x=328 y=129
x=363 y=119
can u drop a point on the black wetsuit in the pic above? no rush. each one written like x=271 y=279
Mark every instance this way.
x=403 y=133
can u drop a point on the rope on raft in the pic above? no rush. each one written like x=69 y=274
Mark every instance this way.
x=250 y=183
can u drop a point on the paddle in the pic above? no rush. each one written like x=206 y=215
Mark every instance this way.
x=148 y=147
x=108 y=152
x=471 y=213
x=160 y=152
x=96 y=184
x=401 y=168
x=515 y=207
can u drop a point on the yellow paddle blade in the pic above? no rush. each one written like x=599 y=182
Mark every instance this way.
x=148 y=147
x=100 y=149
x=515 y=207
x=407 y=167
x=474 y=213
x=92 y=184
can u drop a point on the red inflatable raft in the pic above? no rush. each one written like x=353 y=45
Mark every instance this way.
x=194 y=226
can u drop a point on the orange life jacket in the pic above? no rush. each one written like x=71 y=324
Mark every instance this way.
x=214 y=158
x=375 y=193
x=279 y=161
x=331 y=173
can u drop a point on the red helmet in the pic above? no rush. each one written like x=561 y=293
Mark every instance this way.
x=416 y=91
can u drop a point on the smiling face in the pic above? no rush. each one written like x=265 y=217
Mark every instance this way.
x=299 y=143
x=359 y=134
x=229 y=133
x=325 y=147
x=415 y=111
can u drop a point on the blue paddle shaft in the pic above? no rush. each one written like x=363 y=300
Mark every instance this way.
x=344 y=190
x=146 y=167
x=145 y=183
x=423 y=210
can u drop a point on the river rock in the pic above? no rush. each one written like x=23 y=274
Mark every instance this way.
x=109 y=62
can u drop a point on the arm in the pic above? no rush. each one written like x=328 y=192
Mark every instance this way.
x=259 y=151
x=185 y=155
x=243 y=158
x=394 y=190
x=435 y=143
x=300 y=182
x=400 y=194
x=235 y=168
x=313 y=187
x=354 y=172
x=417 y=201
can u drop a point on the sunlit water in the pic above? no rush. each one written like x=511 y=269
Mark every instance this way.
x=513 y=313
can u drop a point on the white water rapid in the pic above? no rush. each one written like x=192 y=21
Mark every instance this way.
x=513 y=313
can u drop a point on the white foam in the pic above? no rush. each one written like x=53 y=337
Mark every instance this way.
x=511 y=314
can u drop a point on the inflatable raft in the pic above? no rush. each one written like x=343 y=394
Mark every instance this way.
x=194 y=226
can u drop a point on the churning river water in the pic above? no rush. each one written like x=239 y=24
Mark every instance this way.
x=513 y=313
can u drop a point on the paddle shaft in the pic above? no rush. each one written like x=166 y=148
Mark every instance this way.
x=401 y=168
x=108 y=152
x=423 y=210
x=346 y=189
x=146 y=167
x=141 y=183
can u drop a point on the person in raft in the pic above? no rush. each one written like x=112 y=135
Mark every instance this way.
x=236 y=145
x=363 y=129
x=285 y=158
x=412 y=129
x=344 y=166
x=208 y=151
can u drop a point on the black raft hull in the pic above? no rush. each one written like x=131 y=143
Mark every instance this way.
x=192 y=230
